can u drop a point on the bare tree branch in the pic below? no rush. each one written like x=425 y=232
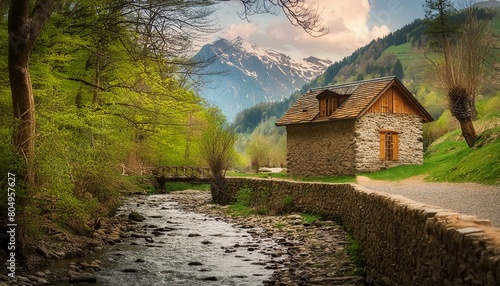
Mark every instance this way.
x=297 y=11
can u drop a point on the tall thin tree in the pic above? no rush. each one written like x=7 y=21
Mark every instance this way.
x=24 y=27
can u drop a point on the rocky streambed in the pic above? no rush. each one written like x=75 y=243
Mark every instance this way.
x=307 y=253
x=182 y=239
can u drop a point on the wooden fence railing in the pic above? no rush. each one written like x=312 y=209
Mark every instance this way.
x=169 y=172
x=183 y=172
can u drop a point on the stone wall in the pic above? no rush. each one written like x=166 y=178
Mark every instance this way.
x=351 y=146
x=402 y=242
x=321 y=149
x=367 y=142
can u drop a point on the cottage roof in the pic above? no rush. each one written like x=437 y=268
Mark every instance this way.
x=362 y=94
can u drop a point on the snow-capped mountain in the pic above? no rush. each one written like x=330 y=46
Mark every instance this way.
x=244 y=74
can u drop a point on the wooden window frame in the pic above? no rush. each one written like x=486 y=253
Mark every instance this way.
x=389 y=145
x=322 y=107
x=327 y=106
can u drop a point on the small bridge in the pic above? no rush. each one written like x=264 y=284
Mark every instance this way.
x=171 y=174
x=181 y=173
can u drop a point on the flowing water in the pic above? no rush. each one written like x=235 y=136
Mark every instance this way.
x=189 y=249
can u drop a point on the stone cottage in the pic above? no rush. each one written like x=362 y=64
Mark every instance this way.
x=362 y=126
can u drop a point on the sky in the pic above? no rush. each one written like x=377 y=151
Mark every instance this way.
x=352 y=24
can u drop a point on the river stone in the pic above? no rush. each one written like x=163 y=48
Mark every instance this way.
x=135 y=216
x=83 y=278
x=72 y=273
x=41 y=281
x=24 y=279
x=130 y=270
x=211 y=278
x=41 y=274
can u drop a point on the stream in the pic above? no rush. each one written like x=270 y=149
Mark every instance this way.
x=175 y=247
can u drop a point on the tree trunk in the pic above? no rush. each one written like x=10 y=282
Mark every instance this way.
x=460 y=107
x=473 y=108
x=20 y=83
x=468 y=131
x=24 y=27
x=218 y=190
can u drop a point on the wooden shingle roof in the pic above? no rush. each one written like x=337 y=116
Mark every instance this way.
x=362 y=94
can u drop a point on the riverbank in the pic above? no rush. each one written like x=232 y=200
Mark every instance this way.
x=55 y=246
x=313 y=253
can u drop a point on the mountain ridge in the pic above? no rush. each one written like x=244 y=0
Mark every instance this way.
x=242 y=74
x=400 y=53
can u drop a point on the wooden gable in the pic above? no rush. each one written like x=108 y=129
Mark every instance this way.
x=382 y=95
x=395 y=98
x=393 y=101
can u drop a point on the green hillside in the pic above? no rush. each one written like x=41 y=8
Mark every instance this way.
x=401 y=53
x=450 y=159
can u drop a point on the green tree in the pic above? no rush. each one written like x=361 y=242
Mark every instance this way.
x=398 y=70
x=217 y=148
x=259 y=151
x=163 y=27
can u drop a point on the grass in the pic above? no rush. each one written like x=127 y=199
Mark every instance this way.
x=310 y=217
x=404 y=53
x=354 y=251
x=285 y=176
x=338 y=179
x=242 y=206
x=280 y=175
x=449 y=160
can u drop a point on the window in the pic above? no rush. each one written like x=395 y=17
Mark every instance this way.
x=389 y=147
x=327 y=106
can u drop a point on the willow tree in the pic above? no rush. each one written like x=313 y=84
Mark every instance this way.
x=459 y=53
x=217 y=147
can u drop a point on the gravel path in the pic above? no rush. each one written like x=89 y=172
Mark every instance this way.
x=480 y=200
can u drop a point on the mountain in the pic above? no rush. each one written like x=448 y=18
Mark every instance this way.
x=487 y=4
x=400 y=53
x=240 y=74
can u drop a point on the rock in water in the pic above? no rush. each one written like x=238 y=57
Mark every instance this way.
x=135 y=216
x=84 y=278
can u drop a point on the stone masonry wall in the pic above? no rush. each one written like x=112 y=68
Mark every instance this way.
x=367 y=141
x=402 y=242
x=321 y=149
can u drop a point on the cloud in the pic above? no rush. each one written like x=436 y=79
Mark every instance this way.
x=246 y=31
x=351 y=25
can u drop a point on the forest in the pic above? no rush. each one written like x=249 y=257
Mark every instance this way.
x=112 y=92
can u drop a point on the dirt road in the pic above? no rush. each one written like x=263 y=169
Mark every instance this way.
x=480 y=200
